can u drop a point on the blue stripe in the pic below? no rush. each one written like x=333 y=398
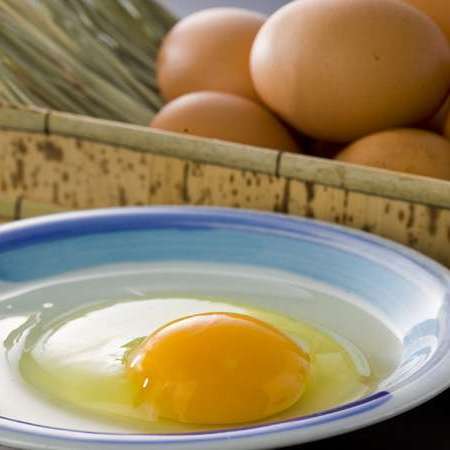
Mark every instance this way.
x=63 y=226
x=332 y=415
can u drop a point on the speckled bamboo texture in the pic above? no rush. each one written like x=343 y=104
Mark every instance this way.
x=42 y=173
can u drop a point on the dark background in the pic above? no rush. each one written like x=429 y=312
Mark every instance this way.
x=182 y=7
x=426 y=427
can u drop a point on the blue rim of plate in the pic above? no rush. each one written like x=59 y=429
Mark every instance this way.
x=70 y=225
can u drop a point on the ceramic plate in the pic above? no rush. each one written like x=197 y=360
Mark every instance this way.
x=391 y=302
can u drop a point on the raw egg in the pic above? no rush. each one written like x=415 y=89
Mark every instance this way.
x=219 y=368
x=339 y=70
x=224 y=116
x=182 y=364
x=209 y=50
x=404 y=150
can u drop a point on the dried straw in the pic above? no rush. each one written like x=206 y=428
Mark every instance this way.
x=93 y=57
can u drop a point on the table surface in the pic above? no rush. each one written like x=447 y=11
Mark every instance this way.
x=423 y=427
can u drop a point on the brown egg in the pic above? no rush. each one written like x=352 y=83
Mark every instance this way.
x=438 y=10
x=209 y=50
x=404 y=150
x=227 y=117
x=446 y=127
x=338 y=70
x=437 y=122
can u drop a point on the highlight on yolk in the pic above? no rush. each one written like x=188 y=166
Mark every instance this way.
x=218 y=368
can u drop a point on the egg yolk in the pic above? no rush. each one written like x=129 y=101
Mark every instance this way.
x=218 y=368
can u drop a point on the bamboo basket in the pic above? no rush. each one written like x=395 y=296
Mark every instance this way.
x=51 y=161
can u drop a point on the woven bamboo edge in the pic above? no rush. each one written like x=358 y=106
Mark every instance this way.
x=377 y=182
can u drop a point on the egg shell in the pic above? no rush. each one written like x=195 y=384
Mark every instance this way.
x=338 y=70
x=404 y=150
x=438 y=10
x=446 y=128
x=227 y=117
x=437 y=122
x=209 y=50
